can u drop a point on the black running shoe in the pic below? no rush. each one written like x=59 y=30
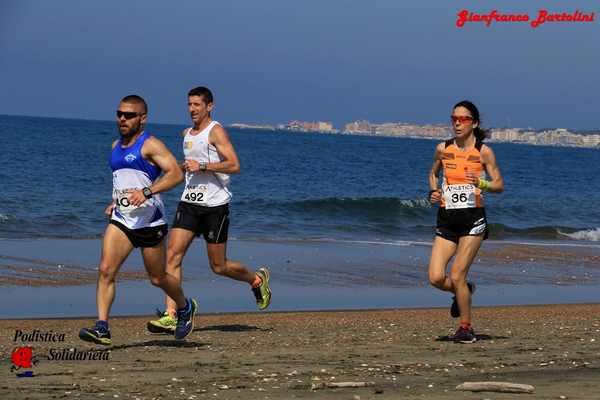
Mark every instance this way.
x=464 y=335
x=96 y=334
x=454 y=311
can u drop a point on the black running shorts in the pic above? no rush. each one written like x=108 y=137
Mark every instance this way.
x=143 y=237
x=453 y=224
x=211 y=222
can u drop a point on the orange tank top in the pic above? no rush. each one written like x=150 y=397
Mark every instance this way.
x=457 y=193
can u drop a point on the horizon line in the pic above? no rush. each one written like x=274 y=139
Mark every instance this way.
x=277 y=123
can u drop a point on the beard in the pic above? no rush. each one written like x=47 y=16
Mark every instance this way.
x=129 y=132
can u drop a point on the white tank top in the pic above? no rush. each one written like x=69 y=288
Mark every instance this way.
x=208 y=189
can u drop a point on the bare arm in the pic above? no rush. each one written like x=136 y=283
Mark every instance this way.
x=435 y=193
x=219 y=138
x=181 y=164
x=157 y=153
x=496 y=183
x=108 y=210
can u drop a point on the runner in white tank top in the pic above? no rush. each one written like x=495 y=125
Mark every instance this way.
x=204 y=207
x=205 y=188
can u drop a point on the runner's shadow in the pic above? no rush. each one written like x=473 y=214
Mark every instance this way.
x=450 y=338
x=232 y=328
x=157 y=343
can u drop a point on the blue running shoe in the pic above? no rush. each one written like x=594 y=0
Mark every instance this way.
x=464 y=335
x=185 y=320
x=97 y=334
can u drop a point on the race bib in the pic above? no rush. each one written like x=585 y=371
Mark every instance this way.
x=122 y=201
x=459 y=196
x=194 y=194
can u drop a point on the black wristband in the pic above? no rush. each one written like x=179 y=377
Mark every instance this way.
x=147 y=192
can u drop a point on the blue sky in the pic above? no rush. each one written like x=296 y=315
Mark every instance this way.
x=276 y=60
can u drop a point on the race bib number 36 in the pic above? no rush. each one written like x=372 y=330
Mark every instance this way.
x=459 y=196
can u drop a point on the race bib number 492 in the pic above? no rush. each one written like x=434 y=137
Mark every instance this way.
x=459 y=196
x=194 y=194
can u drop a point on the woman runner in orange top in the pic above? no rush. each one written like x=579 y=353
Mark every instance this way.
x=461 y=221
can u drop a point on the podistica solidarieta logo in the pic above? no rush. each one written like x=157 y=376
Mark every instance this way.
x=24 y=358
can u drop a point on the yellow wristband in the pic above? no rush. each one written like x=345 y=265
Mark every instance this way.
x=483 y=184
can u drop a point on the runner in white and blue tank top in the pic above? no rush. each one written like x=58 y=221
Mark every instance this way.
x=142 y=167
x=132 y=171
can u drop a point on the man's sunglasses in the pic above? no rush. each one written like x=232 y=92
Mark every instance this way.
x=462 y=119
x=127 y=114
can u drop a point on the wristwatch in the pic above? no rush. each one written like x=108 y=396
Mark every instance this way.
x=202 y=166
x=147 y=192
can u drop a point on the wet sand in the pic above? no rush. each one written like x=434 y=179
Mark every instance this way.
x=56 y=278
x=56 y=262
x=281 y=355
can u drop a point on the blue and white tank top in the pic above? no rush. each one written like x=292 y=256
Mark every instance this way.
x=204 y=188
x=131 y=171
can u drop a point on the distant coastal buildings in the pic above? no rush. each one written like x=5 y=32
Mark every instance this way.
x=549 y=137
x=303 y=126
x=397 y=129
x=553 y=137
x=294 y=126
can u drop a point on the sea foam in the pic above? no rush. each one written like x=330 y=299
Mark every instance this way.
x=592 y=235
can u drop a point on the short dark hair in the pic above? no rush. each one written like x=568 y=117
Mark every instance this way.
x=479 y=133
x=135 y=99
x=203 y=92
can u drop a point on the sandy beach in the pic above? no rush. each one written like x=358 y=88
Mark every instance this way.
x=287 y=352
x=555 y=348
